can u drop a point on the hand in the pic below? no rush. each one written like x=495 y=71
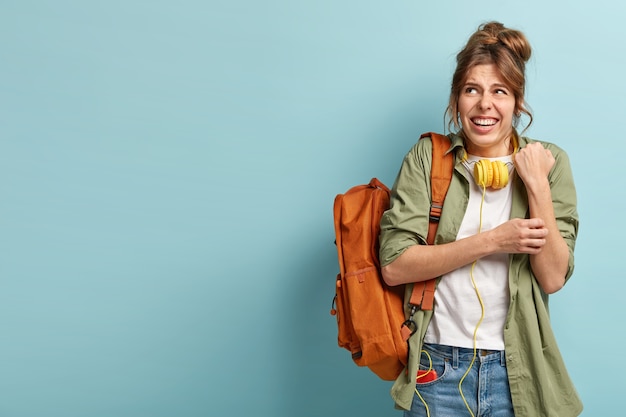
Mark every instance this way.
x=520 y=236
x=533 y=163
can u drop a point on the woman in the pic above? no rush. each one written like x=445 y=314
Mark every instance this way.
x=487 y=347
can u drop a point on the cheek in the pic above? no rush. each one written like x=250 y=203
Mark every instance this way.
x=507 y=110
x=464 y=107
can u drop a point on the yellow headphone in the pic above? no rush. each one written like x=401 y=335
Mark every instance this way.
x=494 y=174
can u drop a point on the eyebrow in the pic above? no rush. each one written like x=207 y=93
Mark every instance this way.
x=470 y=83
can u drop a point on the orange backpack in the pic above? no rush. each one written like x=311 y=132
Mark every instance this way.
x=370 y=314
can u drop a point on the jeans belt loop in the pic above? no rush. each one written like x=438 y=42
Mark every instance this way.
x=455 y=358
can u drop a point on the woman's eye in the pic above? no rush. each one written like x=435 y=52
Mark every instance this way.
x=470 y=90
x=501 y=91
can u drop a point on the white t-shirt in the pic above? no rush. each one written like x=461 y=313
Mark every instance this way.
x=457 y=309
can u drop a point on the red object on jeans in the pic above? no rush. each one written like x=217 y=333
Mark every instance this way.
x=426 y=375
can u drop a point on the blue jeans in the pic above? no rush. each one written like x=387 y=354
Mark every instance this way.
x=486 y=386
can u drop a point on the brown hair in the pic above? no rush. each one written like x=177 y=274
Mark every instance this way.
x=493 y=43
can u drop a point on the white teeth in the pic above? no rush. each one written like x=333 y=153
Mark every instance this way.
x=484 y=122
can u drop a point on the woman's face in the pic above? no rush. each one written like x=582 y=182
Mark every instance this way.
x=486 y=105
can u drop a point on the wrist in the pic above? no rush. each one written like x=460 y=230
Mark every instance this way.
x=487 y=243
x=538 y=187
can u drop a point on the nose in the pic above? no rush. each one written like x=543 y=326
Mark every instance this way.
x=485 y=102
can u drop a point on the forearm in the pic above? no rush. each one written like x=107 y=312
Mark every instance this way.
x=550 y=264
x=423 y=262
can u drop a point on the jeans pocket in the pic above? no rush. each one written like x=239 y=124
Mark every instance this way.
x=432 y=368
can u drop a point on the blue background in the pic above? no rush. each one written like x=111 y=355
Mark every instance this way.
x=167 y=173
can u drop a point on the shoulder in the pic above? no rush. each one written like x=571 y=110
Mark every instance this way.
x=420 y=153
x=557 y=151
x=424 y=146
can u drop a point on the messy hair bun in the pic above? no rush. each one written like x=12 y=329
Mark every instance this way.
x=507 y=49
x=495 y=33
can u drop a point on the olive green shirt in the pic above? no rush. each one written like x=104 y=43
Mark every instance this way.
x=538 y=379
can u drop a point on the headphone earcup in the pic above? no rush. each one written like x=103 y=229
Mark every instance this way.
x=483 y=174
x=501 y=179
x=496 y=176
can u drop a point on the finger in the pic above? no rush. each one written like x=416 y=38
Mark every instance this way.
x=533 y=246
x=535 y=223
x=529 y=249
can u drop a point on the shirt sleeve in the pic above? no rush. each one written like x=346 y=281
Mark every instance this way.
x=406 y=222
x=564 y=200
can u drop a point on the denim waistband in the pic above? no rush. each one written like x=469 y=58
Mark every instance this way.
x=456 y=354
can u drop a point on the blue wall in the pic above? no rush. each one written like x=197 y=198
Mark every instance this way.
x=167 y=172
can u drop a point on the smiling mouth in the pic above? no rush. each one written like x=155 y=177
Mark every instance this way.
x=484 y=122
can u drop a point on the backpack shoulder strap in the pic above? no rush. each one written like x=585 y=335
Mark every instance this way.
x=423 y=293
x=440 y=177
